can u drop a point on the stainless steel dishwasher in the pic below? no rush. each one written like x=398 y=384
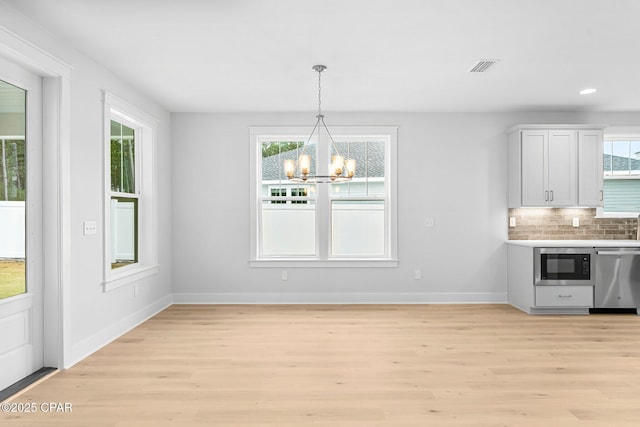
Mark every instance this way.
x=617 y=278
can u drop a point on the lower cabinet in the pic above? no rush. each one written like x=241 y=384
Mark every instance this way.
x=564 y=296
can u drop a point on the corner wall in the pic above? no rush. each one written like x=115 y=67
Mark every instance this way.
x=95 y=317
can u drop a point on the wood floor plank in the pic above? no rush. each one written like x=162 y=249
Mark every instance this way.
x=353 y=365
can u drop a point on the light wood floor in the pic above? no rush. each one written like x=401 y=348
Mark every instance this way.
x=364 y=365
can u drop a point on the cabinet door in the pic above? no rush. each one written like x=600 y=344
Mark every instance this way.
x=562 y=168
x=534 y=167
x=590 y=168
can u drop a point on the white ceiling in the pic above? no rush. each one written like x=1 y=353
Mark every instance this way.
x=382 y=55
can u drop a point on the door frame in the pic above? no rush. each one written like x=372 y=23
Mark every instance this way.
x=56 y=203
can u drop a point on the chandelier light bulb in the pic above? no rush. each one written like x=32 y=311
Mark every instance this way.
x=289 y=168
x=351 y=167
x=305 y=164
x=336 y=164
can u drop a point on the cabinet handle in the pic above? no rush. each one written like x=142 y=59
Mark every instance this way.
x=546 y=196
x=551 y=195
x=564 y=296
x=601 y=195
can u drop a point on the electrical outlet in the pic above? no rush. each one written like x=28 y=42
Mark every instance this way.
x=417 y=275
x=285 y=275
x=512 y=221
x=576 y=222
x=428 y=222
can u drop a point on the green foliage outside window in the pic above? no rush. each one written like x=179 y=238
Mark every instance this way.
x=13 y=172
x=273 y=148
x=122 y=158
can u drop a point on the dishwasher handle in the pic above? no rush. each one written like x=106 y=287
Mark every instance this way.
x=617 y=253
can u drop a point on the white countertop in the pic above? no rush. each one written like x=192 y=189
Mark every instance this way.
x=576 y=243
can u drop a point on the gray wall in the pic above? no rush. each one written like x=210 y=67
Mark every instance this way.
x=97 y=317
x=452 y=167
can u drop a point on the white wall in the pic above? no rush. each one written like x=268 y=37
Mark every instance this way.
x=97 y=317
x=452 y=167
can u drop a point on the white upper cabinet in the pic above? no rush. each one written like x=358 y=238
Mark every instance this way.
x=555 y=165
x=590 y=167
x=562 y=161
x=535 y=176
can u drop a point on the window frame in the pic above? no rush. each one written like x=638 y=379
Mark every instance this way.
x=323 y=199
x=145 y=127
x=619 y=133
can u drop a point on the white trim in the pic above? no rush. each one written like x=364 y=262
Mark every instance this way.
x=340 y=263
x=341 y=298
x=323 y=259
x=146 y=127
x=621 y=177
x=622 y=132
x=601 y=214
x=125 y=110
x=56 y=96
x=132 y=274
x=95 y=342
x=555 y=126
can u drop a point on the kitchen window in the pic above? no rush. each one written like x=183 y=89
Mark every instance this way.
x=621 y=176
x=130 y=214
x=346 y=224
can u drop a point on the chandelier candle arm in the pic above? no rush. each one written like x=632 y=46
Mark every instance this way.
x=340 y=170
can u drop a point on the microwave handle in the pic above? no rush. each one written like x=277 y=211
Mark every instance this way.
x=616 y=253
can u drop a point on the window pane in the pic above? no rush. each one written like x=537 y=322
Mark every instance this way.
x=122 y=158
x=288 y=229
x=607 y=153
x=12 y=190
x=357 y=228
x=620 y=158
x=274 y=154
x=124 y=231
x=12 y=169
x=369 y=177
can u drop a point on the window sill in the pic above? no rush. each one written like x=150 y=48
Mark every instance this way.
x=601 y=214
x=130 y=276
x=339 y=263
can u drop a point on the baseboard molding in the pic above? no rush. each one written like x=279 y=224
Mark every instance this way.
x=342 y=298
x=103 y=337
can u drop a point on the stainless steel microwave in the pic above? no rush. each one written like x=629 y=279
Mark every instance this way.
x=564 y=266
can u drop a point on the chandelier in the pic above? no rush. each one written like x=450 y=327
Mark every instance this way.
x=340 y=170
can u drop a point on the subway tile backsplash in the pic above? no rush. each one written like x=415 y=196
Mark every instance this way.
x=556 y=224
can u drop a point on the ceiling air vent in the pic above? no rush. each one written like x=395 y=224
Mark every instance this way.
x=483 y=65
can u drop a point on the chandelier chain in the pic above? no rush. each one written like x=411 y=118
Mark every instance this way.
x=319 y=93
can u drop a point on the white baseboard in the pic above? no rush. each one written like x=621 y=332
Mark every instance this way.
x=103 y=337
x=342 y=298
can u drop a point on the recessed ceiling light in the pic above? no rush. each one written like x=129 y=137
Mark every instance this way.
x=587 y=91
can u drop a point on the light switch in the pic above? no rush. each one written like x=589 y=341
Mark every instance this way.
x=512 y=221
x=90 y=227
x=284 y=275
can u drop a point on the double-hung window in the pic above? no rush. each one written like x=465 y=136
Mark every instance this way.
x=621 y=175
x=324 y=224
x=130 y=213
